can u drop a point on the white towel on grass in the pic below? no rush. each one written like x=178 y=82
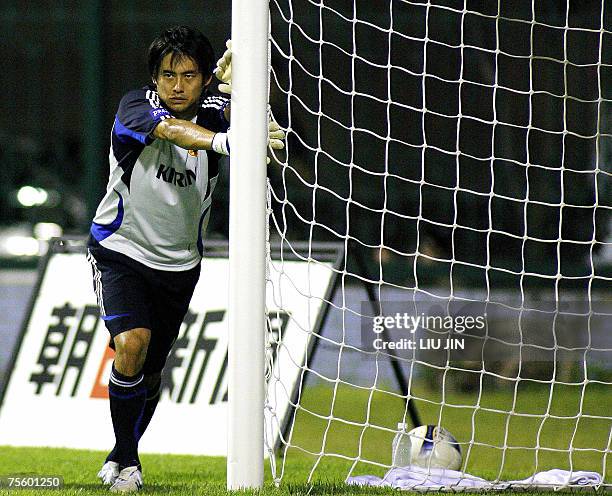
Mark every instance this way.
x=415 y=478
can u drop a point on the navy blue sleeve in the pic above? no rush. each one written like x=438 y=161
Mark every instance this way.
x=138 y=114
x=210 y=113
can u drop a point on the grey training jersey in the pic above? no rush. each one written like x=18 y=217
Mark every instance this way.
x=157 y=202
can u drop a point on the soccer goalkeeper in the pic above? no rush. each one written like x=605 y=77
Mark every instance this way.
x=145 y=243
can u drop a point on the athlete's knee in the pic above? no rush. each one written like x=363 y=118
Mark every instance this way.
x=131 y=350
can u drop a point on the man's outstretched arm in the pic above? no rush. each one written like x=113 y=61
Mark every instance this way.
x=190 y=136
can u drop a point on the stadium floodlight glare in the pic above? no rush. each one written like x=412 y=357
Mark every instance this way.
x=47 y=230
x=460 y=155
x=21 y=246
x=30 y=196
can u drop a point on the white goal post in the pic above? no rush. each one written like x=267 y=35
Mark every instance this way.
x=247 y=243
x=460 y=151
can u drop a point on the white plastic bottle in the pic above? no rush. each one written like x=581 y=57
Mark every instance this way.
x=401 y=446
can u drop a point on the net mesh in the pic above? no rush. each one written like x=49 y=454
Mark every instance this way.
x=458 y=153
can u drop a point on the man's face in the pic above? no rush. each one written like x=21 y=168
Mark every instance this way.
x=180 y=84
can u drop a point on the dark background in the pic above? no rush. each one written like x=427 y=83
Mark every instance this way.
x=515 y=189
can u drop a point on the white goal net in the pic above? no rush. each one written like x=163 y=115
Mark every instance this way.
x=460 y=155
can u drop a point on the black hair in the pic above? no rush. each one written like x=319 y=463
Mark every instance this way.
x=184 y=42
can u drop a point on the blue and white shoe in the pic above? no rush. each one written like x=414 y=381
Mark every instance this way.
x=108 y=473
x=128 y=481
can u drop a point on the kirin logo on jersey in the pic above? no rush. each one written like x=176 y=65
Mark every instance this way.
x=193 y=153
x=172 y=176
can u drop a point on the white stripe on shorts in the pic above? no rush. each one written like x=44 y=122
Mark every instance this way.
x=97 y=282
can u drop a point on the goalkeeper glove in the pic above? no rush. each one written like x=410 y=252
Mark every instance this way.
x=223 y=71
x=221 y=143
x=276 y=136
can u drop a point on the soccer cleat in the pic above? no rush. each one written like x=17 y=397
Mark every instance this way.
x=108 y=473
x=128 y=481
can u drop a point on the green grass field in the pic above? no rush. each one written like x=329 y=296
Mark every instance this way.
x=482 y=418
x=488 y=424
